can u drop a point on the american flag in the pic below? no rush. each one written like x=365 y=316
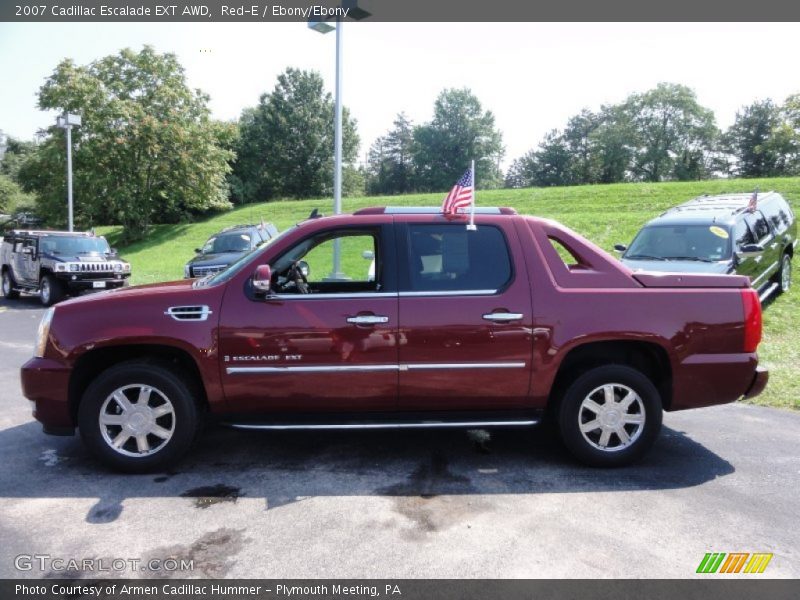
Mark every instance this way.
x=753 y=204
x=462 y=194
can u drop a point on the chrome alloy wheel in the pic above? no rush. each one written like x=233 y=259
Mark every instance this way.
x=137 y=420
x=786 y=274
x=611 y=417
x=46 y=291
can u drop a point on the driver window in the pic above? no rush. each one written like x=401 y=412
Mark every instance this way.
x=308 y=267
x=356 y=262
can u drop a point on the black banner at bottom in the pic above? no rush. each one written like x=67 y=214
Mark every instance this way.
x=405 y=589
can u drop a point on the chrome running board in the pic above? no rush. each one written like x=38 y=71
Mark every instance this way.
x=387 y=425
x=767 y=292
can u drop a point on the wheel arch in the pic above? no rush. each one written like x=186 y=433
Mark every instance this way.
x=647 y=357
x=92 y=363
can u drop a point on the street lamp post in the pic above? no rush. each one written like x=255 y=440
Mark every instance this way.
x=67 y=121
x=323 y=27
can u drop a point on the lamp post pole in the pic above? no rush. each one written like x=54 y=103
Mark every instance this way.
x=69 y=177
x=354 y=12
x=337 y=153
x=67 y=121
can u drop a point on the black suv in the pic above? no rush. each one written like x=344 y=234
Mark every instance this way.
x=226 y=247
x=750 y=234
x=57 y=263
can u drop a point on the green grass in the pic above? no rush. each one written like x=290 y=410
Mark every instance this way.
x=606 y=214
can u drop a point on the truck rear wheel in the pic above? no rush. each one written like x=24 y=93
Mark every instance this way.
x=8 y=286
x=610 y=416
x=138 y=417
x=784 y=275
x=51 y=290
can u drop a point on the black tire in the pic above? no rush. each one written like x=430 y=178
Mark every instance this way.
x=183 y=422
x=7 y=288
x=51 y=290
x=572 y=414
x=784 y=275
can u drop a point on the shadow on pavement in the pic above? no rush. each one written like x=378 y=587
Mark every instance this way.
x=286 y=467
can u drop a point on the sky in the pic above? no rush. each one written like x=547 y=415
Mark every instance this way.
x=532 y=76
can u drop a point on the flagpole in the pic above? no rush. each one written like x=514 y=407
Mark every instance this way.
x=471 y=226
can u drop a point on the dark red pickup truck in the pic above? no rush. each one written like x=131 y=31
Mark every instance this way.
x=429 y=325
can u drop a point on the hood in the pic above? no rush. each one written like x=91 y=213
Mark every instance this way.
x=679 y=266
x=136 y=293
x=222 y=258
x=94 y=257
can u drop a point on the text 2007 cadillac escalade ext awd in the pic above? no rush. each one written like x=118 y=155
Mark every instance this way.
x=440 y=326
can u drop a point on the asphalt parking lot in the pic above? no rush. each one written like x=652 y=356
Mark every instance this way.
x=398 y=504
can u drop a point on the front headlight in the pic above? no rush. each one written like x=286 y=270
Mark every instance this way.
x=117 y=267
x=43 y=332
x=73 y=267
x=126 y=267
x=61 y=267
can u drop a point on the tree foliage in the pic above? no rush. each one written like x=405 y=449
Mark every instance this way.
x=147 y=150
x=459 y=132
x=390 y=166
x=286 y=146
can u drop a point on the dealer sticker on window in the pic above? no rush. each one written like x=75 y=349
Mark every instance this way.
x=718 y=231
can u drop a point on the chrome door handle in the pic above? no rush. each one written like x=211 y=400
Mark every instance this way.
x=502 y=316
x=367 y=319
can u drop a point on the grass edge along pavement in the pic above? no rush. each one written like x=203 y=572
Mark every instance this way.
x=605 y=214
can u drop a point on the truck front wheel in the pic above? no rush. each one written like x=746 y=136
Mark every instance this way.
x=138 y=417
x=8 y=286
x=610 y=416
x=51 y=290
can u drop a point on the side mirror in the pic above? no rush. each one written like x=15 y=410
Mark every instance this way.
x=198 y=251
x=620 y=247
x=368 y=255
x=750 y=250
x=262 y=279
x=27 y=250
x=112 y=251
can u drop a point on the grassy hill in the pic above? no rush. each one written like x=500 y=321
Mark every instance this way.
x=606 y=214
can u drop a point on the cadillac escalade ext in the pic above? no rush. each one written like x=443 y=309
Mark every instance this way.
x=496 y=326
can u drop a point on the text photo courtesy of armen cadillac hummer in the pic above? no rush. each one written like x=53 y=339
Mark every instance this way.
x=293 y=299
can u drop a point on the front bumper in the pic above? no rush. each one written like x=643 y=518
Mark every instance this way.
x=83 y=282
x=45 y=382
x=760 y=380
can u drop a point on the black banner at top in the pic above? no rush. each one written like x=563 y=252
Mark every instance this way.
x=396 y=10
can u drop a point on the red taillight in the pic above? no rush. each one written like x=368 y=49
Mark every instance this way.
x=752 y=319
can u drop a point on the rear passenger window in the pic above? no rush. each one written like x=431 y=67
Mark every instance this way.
x=450 y=258
x=758 y=224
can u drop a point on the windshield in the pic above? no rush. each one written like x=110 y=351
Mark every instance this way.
x=681 y=242
x=73 y=246
x=229 y=242
x=237 y=266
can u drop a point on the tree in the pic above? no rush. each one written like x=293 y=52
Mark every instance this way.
x=147 y=150
x=459 y=132
x=552 y=163
x=750 y=140
x=286 y=142
x=390 y=159
x=15 y=154
x=667 y=123
x=613 y=144
x=580 y=142
x=12 y=198
x=785 y=140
